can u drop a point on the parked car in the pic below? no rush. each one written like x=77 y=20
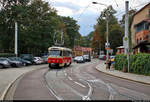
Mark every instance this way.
x=28 y=57
x=102 y=57
x=37 y=60
x=45 y=58
x=87 y=58
x=42 y=60
x=4 y=63
x=14 y=63
x=80 y=59
x=75 y=58
x=24 y=62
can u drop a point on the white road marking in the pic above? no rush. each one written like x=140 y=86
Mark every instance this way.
x=79 y=84
x=111 y=97
x=52 y=90
x=65 y=73
x=97 y=80
x=87 y=97
x=111 y=91
x=69 y=78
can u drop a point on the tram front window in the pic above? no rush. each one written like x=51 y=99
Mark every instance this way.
x=55 y=53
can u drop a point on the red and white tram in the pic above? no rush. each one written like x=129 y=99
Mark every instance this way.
x=59 y=56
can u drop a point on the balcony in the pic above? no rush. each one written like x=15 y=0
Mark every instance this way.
x=142 y=36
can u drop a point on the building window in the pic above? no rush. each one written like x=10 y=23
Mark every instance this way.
x=142 y=26
x=146 y=26
x=139 y=27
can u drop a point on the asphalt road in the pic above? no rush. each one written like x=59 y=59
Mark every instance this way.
x=77 y=82
x=33 y=87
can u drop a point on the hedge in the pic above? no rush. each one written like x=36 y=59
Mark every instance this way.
x=139 y=63
x=7 y=55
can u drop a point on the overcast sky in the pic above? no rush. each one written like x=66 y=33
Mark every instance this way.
x=86 y=13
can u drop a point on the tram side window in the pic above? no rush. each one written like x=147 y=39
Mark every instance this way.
x=70 y=54
x=67 y=53
x=64 y=53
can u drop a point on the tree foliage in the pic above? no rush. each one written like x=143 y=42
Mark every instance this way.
x=38 y=22
x=115 y=30
x=72 y=31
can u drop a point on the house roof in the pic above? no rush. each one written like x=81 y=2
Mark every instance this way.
x=145 y=20
x=140 y=11
x=143 y=43
x=120 y=47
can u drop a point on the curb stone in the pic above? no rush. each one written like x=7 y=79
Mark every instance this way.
x=121 y=77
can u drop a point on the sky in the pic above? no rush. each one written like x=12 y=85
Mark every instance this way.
x=86 y=13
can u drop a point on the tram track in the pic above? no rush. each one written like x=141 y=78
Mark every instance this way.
x=10 y=90
x=77 y=82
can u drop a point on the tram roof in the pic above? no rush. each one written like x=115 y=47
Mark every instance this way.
x=60 y=48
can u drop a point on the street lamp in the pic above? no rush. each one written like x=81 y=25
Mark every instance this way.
x=107 y=40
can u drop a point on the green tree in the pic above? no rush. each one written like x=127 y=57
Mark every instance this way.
x=115 y=31
x=37 y=22
x=116 y=36
x=72 y=30
x=8 y=15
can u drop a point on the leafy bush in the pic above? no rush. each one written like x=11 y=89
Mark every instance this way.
x=7 y=55
x=120 y=62
x=139 y=63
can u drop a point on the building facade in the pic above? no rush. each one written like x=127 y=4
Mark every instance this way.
x=140 y=29
x=79 y=51
x=120 y=50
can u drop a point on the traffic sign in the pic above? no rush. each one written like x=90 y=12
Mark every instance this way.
x=107 y=48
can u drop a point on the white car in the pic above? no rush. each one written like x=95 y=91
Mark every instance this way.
x=75 y=58
x=80 y=59
x=37 y=60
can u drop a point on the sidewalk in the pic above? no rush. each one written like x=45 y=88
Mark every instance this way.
x=129 y=76
x=8 y=77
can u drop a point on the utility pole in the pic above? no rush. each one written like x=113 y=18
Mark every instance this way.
x=16 y=39
x=16 y=36
x=126 y=38
x=62 y=40
x=107 y=35
x=107 y=44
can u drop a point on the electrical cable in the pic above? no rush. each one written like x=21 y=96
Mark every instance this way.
x=132 y=4
x=116 y=3
x=141 y=4
x=83 y=11
x=132 y=7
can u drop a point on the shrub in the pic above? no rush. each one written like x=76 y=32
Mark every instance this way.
x=139 y=63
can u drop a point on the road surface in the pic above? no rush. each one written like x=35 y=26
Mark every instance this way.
x=77 y=82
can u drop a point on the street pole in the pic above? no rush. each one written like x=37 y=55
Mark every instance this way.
x=16 y=40
x=107 y=30
x=126 y=33
x=107 y=35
